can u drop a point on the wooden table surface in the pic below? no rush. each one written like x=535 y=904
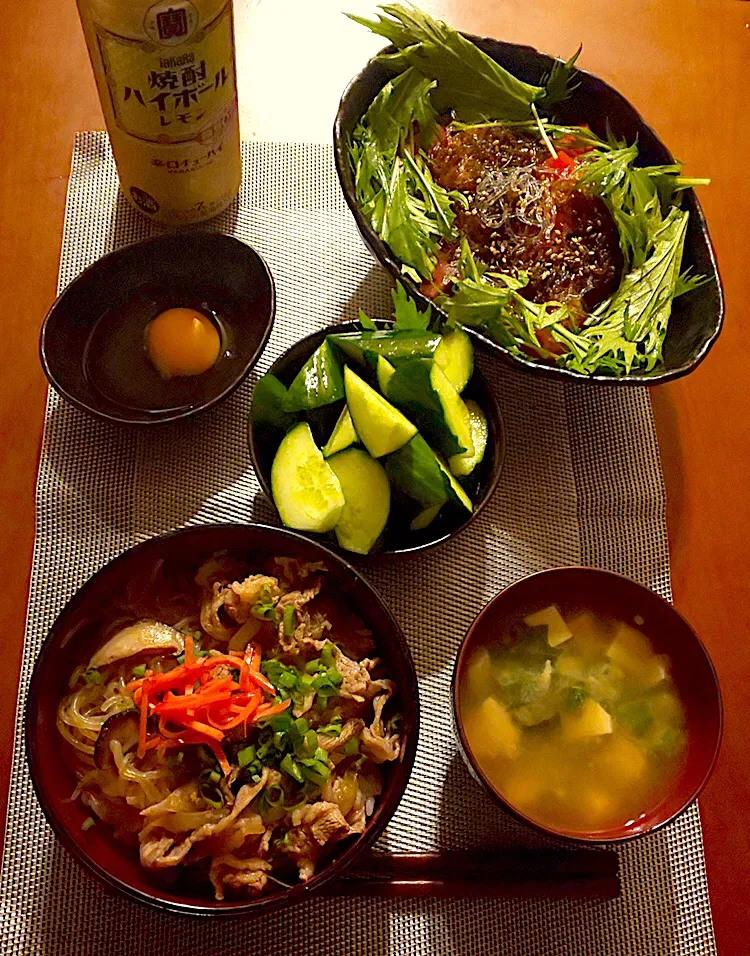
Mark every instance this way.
x=683 y=63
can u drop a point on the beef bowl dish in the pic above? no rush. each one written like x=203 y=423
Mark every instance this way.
x=237 y=712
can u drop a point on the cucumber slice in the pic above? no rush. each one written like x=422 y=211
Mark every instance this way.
x=381 y=427
x=455 y=356
x=421 y=388
x=457 y=493
x=367 y=494
x=425 y=518
x=305 y=489
x=385 y=373
x=415 y=471
x=397 y=347
x=464 y=464
x=319 y=382
x=269 y=408
x=342 y=436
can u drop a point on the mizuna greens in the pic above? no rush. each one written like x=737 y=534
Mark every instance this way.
x=438 y=71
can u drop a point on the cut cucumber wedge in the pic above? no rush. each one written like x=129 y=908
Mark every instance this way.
x=397 y=347
x=367 y=496
x=342 y=436
x=421 y=388
x=381 y=427
x=416 y=472
x=305 y=489
x=385 y=373
x=463 y=465
x=455 y=356
x=457 y=493
x=319 y=382
x=425 y=518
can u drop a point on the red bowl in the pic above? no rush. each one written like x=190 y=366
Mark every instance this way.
x=75 y=635
x=615 y=596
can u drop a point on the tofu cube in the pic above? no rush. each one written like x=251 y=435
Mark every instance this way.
x=557 y=630
x=588 y=720
x=491 y=731
x=632 y=651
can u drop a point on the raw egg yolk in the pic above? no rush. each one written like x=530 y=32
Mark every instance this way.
x=182 y=342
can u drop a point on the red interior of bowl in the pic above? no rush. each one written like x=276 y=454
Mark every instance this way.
x=612 y=595
x=76 y=634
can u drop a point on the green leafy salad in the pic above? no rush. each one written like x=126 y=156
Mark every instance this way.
x=374 y=429
x=552 y=241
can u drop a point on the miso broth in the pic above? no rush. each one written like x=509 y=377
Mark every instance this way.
x=574 y=720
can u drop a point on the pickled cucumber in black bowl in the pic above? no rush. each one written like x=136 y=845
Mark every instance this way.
x=379 y=435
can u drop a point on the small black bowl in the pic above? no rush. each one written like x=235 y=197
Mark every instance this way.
x=397 y=537
x=113 y=300
x=696 y=317
x=76 y=633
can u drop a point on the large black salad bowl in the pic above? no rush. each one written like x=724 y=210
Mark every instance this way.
x=696 y=317
x=76 y=633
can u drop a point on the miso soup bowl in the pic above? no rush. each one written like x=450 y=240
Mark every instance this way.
x=612 y=596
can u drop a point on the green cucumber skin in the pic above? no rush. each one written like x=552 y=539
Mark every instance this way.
x=297 y=509
x=456 y=493
x=319 y=382
x=411 y=389
x=415 y=471
x=367 y=496
x=397 y=347
x=455 y=356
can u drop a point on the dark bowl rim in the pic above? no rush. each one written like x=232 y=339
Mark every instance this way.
x=580 y=840
x=383 y=254
x=299 y=891
x=167 y=415
x=501 y=440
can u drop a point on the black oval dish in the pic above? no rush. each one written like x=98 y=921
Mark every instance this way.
x=397 y=537
x=208 y=271
x=696 y=318
x=76 y=633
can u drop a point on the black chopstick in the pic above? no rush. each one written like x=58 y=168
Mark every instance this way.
x=453 y=874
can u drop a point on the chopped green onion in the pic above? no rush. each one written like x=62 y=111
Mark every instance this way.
x=290 y=616
x=139 y=671
x=264 y=611
x=214 y=776
x=88 y=823
x=290 y=766
x=93 y=676
x=351 y=747
x=316 y=772
x=274 y=796
x=331 y=730
x=307 y=745
x=574 y=696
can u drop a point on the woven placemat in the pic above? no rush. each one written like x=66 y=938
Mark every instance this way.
x=582 y=484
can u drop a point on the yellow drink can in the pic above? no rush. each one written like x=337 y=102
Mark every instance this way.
x=166 y=77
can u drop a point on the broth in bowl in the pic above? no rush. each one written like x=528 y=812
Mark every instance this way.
x=573 y=718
